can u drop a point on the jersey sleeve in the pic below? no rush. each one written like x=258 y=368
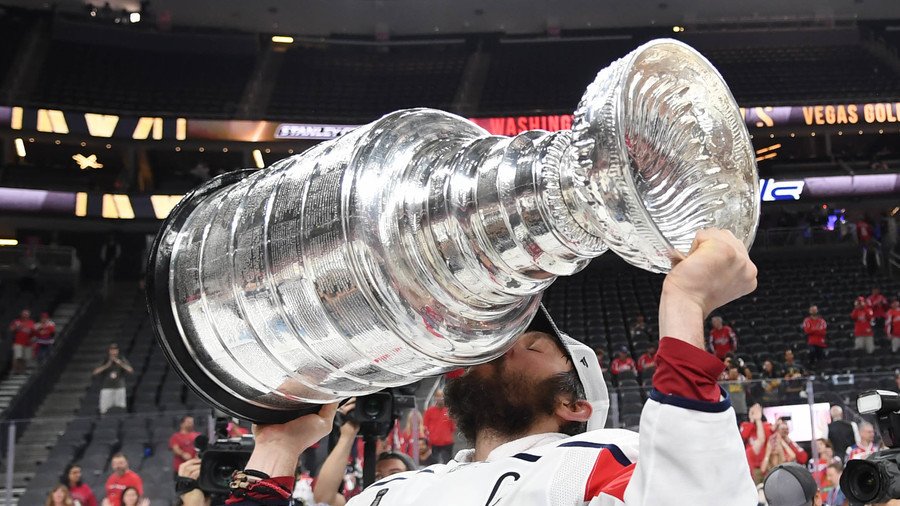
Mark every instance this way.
x=690 y=448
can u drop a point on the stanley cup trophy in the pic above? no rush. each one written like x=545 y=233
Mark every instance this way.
x=420 y=243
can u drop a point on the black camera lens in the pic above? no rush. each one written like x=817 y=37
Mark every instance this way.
x=862 y=480
x=372 y=407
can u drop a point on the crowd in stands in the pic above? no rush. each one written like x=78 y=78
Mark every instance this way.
x=31 y=341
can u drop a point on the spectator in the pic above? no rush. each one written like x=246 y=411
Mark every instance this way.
x=792 y=369
x=112 y=389
x=814 y=326
x=182 y=443
x=44 y=336
x=639 y=328
x=769 y=371
x=601 y=357
x=722 y=339
x=303 y=494
x=390 y=463
x=22 y=329
x=59 y=496
x=439 y=429
x=841 y=433
x=647 y=362
x=862 y=326
x=326 y=488
x=879 y=305
x=80 y=491
x=131 y=497
x=866 y=445
x=780 y=448
x=734 y=385
x=892 y=325
x=623 y=362
x=834 y=495
x=121 y=478
x=826 y=456
x=755 y=434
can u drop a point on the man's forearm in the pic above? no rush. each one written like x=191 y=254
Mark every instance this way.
x=332 y=471
x=274 y=460
x=681 y=318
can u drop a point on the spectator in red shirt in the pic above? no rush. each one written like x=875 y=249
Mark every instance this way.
x=440 y=428
x=780 y=448
x=722 y=339
x=120 y=479
x=44 y=335
x=80 y=491
x=862 y=326
x=22 y=329
x=647 y=361
x=623 y=362
x=755 y=433
x=814 y=326
x=892 y=325
x=182 y=443
x=879 y=305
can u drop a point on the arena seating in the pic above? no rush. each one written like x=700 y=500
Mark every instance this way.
x=353 y=83
x=802 y=74
x=157 y=398
x=547 y=75
x=598 y=306
x=12 y=32
x=101 y=77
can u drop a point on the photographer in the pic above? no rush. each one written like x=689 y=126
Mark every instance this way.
x=526 y=414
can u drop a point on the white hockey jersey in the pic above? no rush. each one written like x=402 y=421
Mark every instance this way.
x=690 y=454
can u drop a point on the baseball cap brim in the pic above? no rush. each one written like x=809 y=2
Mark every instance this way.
x=584 y=360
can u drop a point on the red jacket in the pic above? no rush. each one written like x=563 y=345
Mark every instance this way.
x=83 y=494
x=622 y=364
x=722 y=341
x=892 y=323
x=22 y=330
x=116 y=484
x=439 y=426
x=814 y=328
x=862 y=321
x=879 y=305
x=748 y=434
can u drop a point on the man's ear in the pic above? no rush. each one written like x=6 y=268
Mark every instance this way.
x=578 y=411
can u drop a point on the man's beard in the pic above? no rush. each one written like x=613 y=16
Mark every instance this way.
x=505 y=403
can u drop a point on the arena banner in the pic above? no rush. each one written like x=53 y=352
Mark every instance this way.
x=159 y=128
x=157 y=207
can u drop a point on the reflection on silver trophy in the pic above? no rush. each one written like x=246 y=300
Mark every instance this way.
x=420 y=243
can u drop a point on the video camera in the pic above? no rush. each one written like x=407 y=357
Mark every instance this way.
x=221 y=458
x=877 y=479
x=375 y=413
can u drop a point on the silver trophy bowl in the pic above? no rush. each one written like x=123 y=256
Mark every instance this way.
x=419 y=243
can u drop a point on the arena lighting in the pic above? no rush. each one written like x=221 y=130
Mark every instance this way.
x=677 y=29
x=87 y=162
x=258 y=159
x=773 y=147
x=134 y=17
x=8 y=242
x=20 y=147
x=282 y=39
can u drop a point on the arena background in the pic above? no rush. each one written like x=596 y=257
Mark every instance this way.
x=110 y=112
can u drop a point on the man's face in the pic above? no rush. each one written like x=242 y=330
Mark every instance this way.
x=782 y=428
x=895 y=304
x=119 y=465
x=813 y=310
x=867 y=434
x=717 y=322
x=876 y=291
x=187 y=425
x=510 y=393
x=387 y=467
x=439 y=398
x=25 y=314
x=789 y=355
x=833 y=476
x=113 y=352
x=733 y=374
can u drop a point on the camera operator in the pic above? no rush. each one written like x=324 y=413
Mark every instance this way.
x=186 y=485
x=326 y=487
